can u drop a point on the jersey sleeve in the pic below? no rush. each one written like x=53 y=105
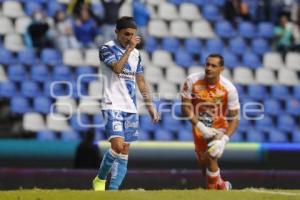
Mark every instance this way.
x=186 y=89
x=107 y=55
x=233 y=100
x=140 y=68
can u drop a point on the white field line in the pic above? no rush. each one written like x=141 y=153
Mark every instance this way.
x=272 y=192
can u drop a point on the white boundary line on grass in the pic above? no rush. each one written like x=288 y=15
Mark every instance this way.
x=275 y=193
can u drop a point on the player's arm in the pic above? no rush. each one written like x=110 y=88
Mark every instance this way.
x=145 y=91
x=233 y=121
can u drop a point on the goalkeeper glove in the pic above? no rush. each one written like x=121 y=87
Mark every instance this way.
x=208 y=132
x=216 y=147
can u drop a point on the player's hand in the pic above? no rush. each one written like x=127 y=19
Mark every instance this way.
x=216 y=147
x=154 y=115
x=208 y=132
x=134 y=41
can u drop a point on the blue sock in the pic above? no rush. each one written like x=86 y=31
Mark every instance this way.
x=118 y=172
x=106 y=164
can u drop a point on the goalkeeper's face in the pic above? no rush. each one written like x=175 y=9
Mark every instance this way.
x=213 y=68
x=124 y=36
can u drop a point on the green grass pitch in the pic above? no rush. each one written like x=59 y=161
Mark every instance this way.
x=200 y=194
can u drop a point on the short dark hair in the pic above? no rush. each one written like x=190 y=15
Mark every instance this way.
x=215 y=55
x=125 y=22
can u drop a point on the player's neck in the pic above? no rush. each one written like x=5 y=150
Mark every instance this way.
x=212 y=81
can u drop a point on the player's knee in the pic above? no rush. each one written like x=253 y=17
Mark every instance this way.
x=118 y=148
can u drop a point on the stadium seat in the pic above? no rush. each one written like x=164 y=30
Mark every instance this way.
x=280 y=92
x=62 y=73
x=257 y=92
x=189 y=12
x=91 y=57
x=252 y=109
x=237 y=137
x=193 y=45
x=19 y=105
x=126 y=9
x=273 y=60
x=167 y=90
x=33 y=122
x=3 y=76
x=277 y=136
x=231 y=60
x=170 y=44
x=247 y=30
x=265 y=76
x=17 y=73
x=57 y=122
x=95 y=90
x=6 y=57
x=211 y=12
x=243 y=75
x=202 y=29
x=146 y=123
x=162 y=58
x=287 y=77
x=65 y=105
x=85 y=74
x=150 y=44
x=73 y=57
x=153 y=74
x=241 y=90
x=184 y=135
x=183 y=58
x=195 y=69
x=175 y=75
x=144 y=136
x=285 y=123
x=296 y=135
x=292 y=107
x=12 y=9
x=40 y=73
x=70 y=135
x=57 y=89
x=296 y=91
x=260 y=46
x=167 y=11
x=8 y=89
x=31 y=7
x=255 y=136
x=224 y=29
x=197 y=2
x=170 y=123
x=6 y=26
x=27 y=57
x=218 y=2
x=98 y=122
x=50 y=57
x=80 y=122
x=30 y=89
x=293 y=60
x=158 y=28
x=52 y=7
x=89 y=106
x=264 y=124
x=42 y=104
x=266 y=30
x=251 y=60
x=162 y=135
x=272 y=107
x=237 y=46
x=214 y=46
x=13 y=42
x=145 y=58
x=180 y=29
x=45 y=135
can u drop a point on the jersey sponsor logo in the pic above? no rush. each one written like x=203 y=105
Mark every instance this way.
x=117 y=126
x=131 y=124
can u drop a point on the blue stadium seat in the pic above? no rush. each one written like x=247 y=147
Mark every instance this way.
x=151 y=44
x=19 y=105
x=62 y=73
x=30 y=89
x=70 y=135
x=58 y=89
x=260 y=46
x=184 y=135
x=80 y=122
x=163 y=135
x=237 y=137
x=176 y=107
x=296 y=135
x=264 y=124
x=280 y=92
x=247 y=30
x=218 y=2
x=8 y=89
x=27 y=57
x=183 y=58
x=169 y=123
x=170 y=44
x=252 y=108
x=86 y=73
x=79 y=89
x=40 y=73
x=31 y=7
x=50 y=57
x=193 y=45
x=224 y=29
x=176 y=2
x=99 y=122
x=203 y=56
x=6 y=57
x=244 y=125
x=292 y=107
x=257 y=92
x=286 y=123
x=197 y=2
x=17 y=73
x=237 y=46
x=42 y=104
x=52 y=7
x=46 y=135
x=251 y=60
x=266 y=30
x=296 y=92
x=272 y=107
x=241 y=91
x=255 y=136
x=146 y=124
x=277 y=136
x=144 y=136
x=231 y=60
x=214 y=46
x=211 y=12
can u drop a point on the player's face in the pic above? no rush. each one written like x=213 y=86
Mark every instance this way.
x=124 y=36
x=213 y=68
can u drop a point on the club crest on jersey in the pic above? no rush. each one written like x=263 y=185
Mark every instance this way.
x=117 y=126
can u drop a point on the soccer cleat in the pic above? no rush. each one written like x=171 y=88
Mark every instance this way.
x=224 y=185
x=98 y=184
